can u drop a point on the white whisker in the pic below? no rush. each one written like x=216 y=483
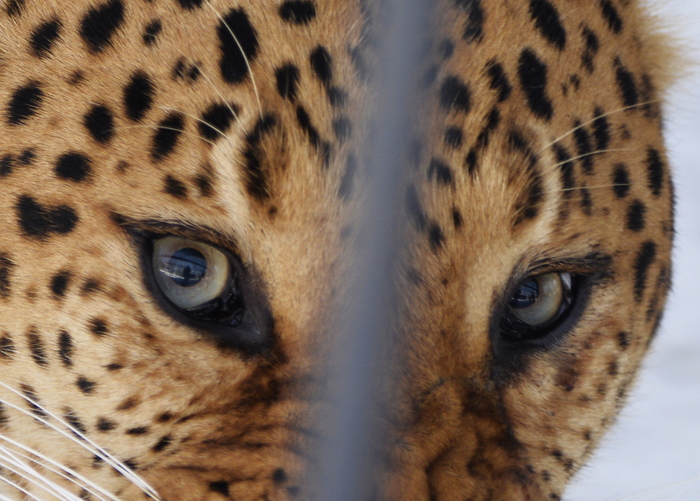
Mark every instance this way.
x=69 y=474
x=86 y=443
x=197 y=119
x=598 y=117
x=30 y=474
x=245 y=58
x=158 y=127
x=584 y=155
x=19 y=488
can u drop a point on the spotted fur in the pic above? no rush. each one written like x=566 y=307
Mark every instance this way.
x=241 y=123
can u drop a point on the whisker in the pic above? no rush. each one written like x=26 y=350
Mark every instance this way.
x=584 y=155
x=158 y=127
x=69 y=474
x=602 y=115
x=217 y=90
x=245 y=58
x=30 y=474
x=197 y=119
x=683 y=484
x=88 y=444
x=19 y=488
x=594 y=187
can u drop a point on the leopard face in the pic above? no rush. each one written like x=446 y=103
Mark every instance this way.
x=180 y=180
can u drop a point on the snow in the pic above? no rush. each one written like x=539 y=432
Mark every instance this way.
x=653 y=453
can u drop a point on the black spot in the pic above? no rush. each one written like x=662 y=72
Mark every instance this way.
x=492 y=121
x=162 y=444
x=621 y=181
x=645 y=258
x=99 y=122
x=90 y=286
x=204 y=184
x=166 y=137
x=36 y=346
x=566 y=169
x=98 y=327
x=342 y=127
x=114 y=367
x=348 y=181
x=446 y=49
x=474 y=28
x=37 y=221
x=60 y=282
x=74 y=421
x=601 y=130
x=298 y=11
x=499 y=80
x=547 y=20
x=14 y=8
x=220 y=487
x=455 y=95
x=100 y=23
x=6 y=164
x=65 y=348
x=533 y=195
x=138 y=96
x=238 y=42
x=584 y=147
x=279 y=476
x=175 y=187
x=256 y=181
x=151 y=32
x=435 y=237
x=287 y=78
x=24 y=103
x=44 y=37
x=104 y=424
x=586 y=201
x=635 y=216
x=611 y=15
x=591 y=50
x=141 y=430
x=6 y=267
x=440 y=171
x=471 y=162
x=85 y=385
x=7 y=347
x=337 y=96
x=457 y=219
x=73 y=167
x=216 y=120
x=623 y=339
x=321 y=61
x=415 y=208
x=453 y=137
x=533 y=80
x=626 y=84
x=190 y=4
x=304 y=121
x=655 y=171
x=33 y=401
x=131 y=464
x=27 y=157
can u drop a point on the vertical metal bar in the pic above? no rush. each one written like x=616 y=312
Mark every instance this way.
x=345 y=461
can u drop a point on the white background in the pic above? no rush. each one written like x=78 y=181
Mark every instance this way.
x=653 y=453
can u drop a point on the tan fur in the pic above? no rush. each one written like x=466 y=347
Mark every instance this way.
x=465 y=425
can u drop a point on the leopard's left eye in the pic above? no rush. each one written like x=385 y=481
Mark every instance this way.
x=189 y=273
x=537 y=305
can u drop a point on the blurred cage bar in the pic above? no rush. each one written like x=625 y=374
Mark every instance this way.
x=345 y=463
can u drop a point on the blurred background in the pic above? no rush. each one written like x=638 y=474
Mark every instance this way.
x=653 y=453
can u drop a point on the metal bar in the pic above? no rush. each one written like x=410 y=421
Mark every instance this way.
x=344 y=471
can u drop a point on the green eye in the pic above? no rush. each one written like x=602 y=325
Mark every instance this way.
x=538 y=303
x=190 y=274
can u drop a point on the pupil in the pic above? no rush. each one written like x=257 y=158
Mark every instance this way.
x=186 y=267
x=527 y=295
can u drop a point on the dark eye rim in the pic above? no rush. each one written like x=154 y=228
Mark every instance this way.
x=252 y=335
x=587 y=274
